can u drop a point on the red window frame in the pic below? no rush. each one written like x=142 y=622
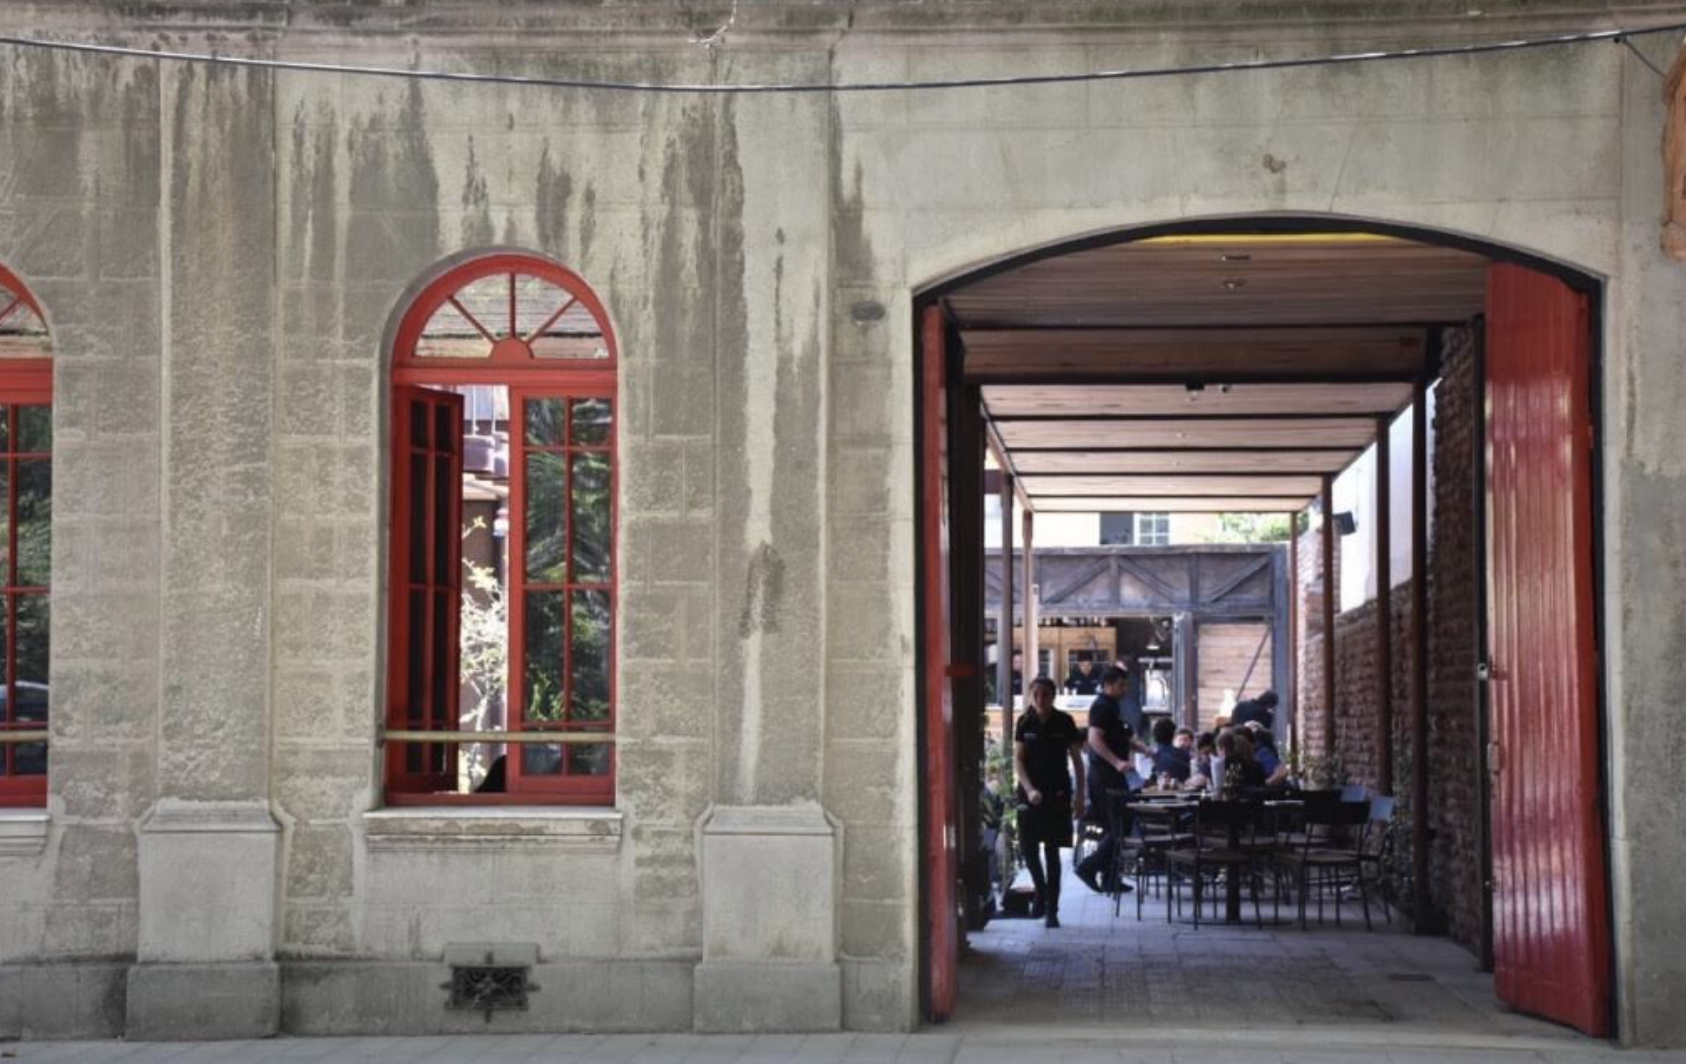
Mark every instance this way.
x=23 y=382
x=527 y=378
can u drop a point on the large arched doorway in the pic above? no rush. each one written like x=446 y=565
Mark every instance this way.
x=1243 y=366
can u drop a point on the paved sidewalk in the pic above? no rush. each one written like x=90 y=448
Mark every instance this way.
x=956 y=1047
x=1100 y=990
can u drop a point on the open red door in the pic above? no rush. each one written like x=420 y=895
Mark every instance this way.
x=942 y=865
x=1551 y=935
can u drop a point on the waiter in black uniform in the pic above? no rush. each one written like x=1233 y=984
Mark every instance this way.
x=1044 y=741
x=1111 y=742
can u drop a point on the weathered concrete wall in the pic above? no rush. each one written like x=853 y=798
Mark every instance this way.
x=1643 y=565
x=223 y=256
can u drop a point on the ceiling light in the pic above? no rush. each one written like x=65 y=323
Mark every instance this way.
x=1233 y=284
x=1235 y=257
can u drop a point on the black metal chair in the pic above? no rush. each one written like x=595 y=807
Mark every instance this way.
x=1375 y=851
x=1226 y=840
x=1322 y=860
x=1159 y=829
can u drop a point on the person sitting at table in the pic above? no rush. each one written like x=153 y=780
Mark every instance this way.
x=1168 y=758
x=1241 y=773
x=1264 y=752
x=1200 y=766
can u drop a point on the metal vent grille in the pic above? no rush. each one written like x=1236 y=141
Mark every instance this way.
x=488 y=989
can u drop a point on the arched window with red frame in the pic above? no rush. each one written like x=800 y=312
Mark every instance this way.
x=26 y=543
x=501 y=619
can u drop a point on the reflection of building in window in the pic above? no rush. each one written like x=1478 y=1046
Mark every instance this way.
x=1118 y=530
x=26 y=541
x=502 y=611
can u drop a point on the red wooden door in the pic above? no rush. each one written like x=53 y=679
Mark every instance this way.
x=1551 y=940
x=941 y=856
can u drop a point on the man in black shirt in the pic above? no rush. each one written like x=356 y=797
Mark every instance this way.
x=1112 y=740
x=1083 y=679
x=1260 y=710
x=1043 y=742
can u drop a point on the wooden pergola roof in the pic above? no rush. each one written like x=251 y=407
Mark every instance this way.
x=1205 y=373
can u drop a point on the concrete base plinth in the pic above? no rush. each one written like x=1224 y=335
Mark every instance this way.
x=203 y=1002
x=769 y=921
x=735 y=997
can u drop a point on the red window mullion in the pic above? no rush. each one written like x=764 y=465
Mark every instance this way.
x=12 y=424
x=516 y=588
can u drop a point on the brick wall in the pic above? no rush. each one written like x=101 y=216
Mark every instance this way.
x=1455 y=756
x=1453 y=813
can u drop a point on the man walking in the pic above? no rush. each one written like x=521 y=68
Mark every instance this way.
x=1112 y=740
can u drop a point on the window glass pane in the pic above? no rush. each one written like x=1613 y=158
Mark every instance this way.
x=450 y=335
x=415 y=689
x=1117 y=530
x=591 y=422
x=588 y=672
x=446 y=489
x=541 y=759
x=546 y=524
x=35 y=522
x=544 y=421
x=22 y=332
x=576 y=334
x=5 y=521
x=419 y=424
x=32 y=759
x=35 y=428
x=5 y=427
x=543 y=641
x=538 y=305
x=590 y=506
x=418 y=519
x=444 y=680
x=32 y=638
x=8 y=712
x=446 y=428
x=591 y=759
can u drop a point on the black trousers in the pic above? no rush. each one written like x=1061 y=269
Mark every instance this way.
x=1043 y=860
x=1043 y=829
x=1115 y=821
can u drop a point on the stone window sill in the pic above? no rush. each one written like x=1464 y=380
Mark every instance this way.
x=591 y=829
x=23 y=832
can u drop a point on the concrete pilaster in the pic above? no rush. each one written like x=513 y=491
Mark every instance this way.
x=209 y=847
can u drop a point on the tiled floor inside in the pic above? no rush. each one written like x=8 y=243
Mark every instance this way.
x=1107 y=971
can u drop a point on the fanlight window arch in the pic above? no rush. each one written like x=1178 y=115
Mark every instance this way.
x=26 y=546
x=502 y=565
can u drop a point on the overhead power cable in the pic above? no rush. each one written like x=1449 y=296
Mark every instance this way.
x=1344 y=59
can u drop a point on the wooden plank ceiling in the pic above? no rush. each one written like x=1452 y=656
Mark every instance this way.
x=1215 y=373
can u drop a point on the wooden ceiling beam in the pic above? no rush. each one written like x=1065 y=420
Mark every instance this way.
x=1173 y=485
x=1168 y=504
x=1195 y=355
